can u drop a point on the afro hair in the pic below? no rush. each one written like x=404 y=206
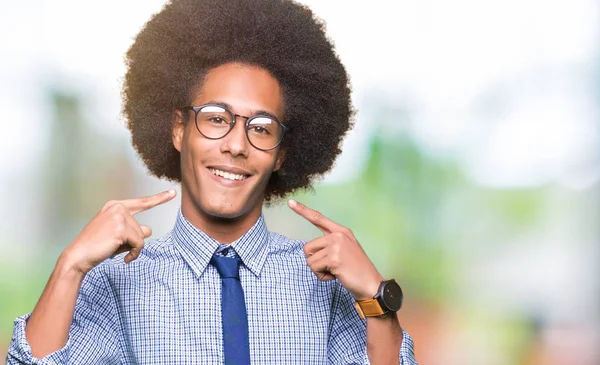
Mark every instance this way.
x=187 y=38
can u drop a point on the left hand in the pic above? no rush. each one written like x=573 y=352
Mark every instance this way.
x=338 y=255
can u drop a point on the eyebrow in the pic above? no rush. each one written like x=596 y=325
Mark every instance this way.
x=254 y=112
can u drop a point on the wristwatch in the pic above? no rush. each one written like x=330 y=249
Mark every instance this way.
x=388 y=299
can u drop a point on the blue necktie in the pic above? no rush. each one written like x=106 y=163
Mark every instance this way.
x=233 y=311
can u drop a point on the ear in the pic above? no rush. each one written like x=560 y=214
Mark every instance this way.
x=280 y=159
x=177 y=130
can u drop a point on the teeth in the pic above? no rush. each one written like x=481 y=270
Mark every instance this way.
x=228 y=175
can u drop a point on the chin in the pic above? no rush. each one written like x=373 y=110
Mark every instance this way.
x=225 y=210
x=223 y=214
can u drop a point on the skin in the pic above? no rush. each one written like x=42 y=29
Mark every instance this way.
x=339 y=255
x=112 y=230
x=223 y=209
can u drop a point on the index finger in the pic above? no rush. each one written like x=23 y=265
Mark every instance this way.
x=137 y=205
x=320 y=221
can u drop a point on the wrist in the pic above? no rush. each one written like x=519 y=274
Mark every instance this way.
x=370 y=288
x=388 y=299
x=67 y=267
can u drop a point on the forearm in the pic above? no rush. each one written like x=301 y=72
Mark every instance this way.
x=384 y=339
x=47 y=329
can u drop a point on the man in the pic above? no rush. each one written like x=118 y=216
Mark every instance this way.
x=243 y=102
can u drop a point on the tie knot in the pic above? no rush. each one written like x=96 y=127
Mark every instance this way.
x=228 y=267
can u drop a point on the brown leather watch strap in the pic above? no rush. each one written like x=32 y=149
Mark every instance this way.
x=368 y=308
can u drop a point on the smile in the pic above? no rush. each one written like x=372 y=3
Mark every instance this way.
x=228 y=175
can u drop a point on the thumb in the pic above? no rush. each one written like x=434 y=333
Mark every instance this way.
x=147 y=231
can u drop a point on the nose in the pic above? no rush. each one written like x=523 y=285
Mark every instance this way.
x=236 y=141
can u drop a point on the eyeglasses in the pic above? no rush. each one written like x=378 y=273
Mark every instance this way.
x=215 y=121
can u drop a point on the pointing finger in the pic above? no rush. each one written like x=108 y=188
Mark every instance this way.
x=323 y=223
x=141 y=204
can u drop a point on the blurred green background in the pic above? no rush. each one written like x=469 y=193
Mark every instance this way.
x=472 y=175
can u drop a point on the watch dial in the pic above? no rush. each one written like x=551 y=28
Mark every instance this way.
x=392 y=296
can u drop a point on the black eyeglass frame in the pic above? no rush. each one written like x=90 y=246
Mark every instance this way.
x=196 y=110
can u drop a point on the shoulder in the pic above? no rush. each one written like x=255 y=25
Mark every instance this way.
x=282 y=245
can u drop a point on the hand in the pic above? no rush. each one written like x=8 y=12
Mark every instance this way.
x=338 y=255
x=112 y=231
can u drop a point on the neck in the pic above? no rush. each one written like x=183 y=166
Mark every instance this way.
x=224 y=230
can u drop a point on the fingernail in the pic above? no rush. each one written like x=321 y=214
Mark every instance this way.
x=292 y=203
x=171 y=192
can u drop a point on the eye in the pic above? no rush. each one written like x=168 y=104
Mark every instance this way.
x=258 y=129
x=262 y=125
x=215 y=119
x=214 y=115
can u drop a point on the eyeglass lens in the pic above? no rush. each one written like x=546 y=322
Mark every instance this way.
x=214 y=122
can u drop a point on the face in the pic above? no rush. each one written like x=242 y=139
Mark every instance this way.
x=226 y=178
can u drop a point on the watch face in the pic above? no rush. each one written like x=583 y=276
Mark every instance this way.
x=392 y=295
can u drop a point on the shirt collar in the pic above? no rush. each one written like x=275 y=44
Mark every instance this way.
x=197 y=248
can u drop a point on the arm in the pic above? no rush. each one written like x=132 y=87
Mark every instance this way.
x=112 y=231
x=54 y=311
x=338 y=255
x=356 y=341
x=48 y=327
x=91 y=332
x=385 y=339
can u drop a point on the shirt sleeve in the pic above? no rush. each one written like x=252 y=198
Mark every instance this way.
x=348 y=334
x=93 y=335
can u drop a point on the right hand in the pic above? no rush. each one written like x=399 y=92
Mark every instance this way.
x=112 y=231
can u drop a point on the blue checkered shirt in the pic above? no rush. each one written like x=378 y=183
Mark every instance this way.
x=164 y=307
